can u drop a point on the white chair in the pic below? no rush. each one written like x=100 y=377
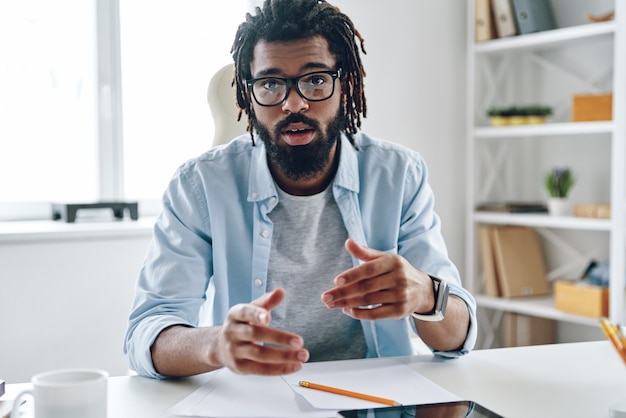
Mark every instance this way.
x=223 y=105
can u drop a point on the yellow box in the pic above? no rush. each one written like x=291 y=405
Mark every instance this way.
x=592 y=107
x=592 y=210
x=581 y=298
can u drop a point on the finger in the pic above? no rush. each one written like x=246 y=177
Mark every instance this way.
x=270 y=361
x=271 y=299
x=361 y=252
x=391 y=311
x=258 y=311
x=374 y=298
x=267 y=335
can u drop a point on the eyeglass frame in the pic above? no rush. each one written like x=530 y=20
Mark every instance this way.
x=293 y=82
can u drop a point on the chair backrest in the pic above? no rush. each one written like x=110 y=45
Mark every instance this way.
x=221 y=96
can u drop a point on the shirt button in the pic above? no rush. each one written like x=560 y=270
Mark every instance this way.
x=254 y=196
x=273 y=200
x=265 y=233
x=258 y=282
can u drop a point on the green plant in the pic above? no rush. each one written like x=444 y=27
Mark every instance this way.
x=530 y=110
x=559 y=182
x=538 y=110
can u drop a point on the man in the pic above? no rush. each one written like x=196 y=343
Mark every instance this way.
x=312 y=240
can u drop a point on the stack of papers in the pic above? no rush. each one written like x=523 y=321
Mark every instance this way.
x=227 y=394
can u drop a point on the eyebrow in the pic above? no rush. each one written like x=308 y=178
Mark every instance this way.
x=277 y=72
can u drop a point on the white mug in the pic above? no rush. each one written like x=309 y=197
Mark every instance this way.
x=72 y=393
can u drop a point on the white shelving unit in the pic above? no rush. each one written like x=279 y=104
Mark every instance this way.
x=508 y=163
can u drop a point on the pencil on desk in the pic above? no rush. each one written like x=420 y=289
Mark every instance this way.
x=349 y=393
x=611 y=333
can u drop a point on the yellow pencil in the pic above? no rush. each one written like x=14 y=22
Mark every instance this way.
x=611 y=334
x=349 y=393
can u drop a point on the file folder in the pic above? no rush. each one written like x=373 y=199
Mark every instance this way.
x=533 y=16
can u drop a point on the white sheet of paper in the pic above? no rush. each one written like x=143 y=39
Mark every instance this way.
x=227 y=394
x=383 y=378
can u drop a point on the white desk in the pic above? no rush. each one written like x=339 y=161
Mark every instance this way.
x=563 y=380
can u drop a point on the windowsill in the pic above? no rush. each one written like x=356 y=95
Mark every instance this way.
x=24 y=231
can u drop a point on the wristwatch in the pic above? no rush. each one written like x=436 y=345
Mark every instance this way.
x=441 y=292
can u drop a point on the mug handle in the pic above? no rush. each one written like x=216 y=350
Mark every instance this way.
x=15 y=412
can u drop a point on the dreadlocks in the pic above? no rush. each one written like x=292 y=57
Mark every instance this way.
x=286 y=20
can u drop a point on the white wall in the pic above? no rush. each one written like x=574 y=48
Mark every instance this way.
x=64 y=303
x=415 y=90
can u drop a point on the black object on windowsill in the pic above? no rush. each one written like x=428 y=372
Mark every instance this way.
x=67 y=211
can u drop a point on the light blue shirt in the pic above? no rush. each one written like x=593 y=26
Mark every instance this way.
x=214 y=229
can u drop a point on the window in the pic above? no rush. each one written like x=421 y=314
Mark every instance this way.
x=53 y=135
x=48 y=104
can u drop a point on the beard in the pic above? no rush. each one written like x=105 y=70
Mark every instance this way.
x=305 y=161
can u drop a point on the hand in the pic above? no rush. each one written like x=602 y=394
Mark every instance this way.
x=246 y=326
x=384 y=286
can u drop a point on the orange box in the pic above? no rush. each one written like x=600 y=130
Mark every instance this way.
x=592 y=107
x=581 y=298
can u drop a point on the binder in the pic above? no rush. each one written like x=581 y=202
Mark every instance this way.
x=520 y=266
x=483 y=21
x=490 y=279
x=533 y=15
x=504 y=18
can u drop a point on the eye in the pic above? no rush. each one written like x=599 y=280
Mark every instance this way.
x=271 y=84
x=316 y=80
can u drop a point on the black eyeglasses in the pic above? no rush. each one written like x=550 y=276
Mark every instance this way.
x=314 y=87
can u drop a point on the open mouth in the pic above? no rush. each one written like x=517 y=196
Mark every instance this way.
x=298 y=135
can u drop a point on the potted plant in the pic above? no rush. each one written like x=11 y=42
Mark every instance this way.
x=537 y=113
x=497 y=116
x=559 y=182
x=518 y=115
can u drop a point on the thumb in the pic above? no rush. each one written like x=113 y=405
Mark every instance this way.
x=270 y=300
x=267 y=302
x=361 y=252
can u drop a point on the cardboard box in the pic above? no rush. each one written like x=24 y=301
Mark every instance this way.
x=581 y=298
x=592 y=210
x=592 y=107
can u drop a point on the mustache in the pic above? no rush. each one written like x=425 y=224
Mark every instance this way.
x=296 y=118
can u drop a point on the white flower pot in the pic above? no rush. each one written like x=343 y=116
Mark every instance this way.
x=559 y=206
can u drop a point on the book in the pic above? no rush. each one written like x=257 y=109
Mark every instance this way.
x=519 y=261
x=513 y=207
x=533 y=15
x=490 y=278
x=504 y=18
x=483 y=21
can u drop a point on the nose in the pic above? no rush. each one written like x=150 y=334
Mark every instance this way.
x=294 y=103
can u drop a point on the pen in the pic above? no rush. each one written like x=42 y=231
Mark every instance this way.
x=611 y=333
x=349 y=393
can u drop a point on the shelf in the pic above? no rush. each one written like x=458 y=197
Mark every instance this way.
x=547 y=129
x=542 y=307
x=540 y=220
x=546 y=39
x=549 y=67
